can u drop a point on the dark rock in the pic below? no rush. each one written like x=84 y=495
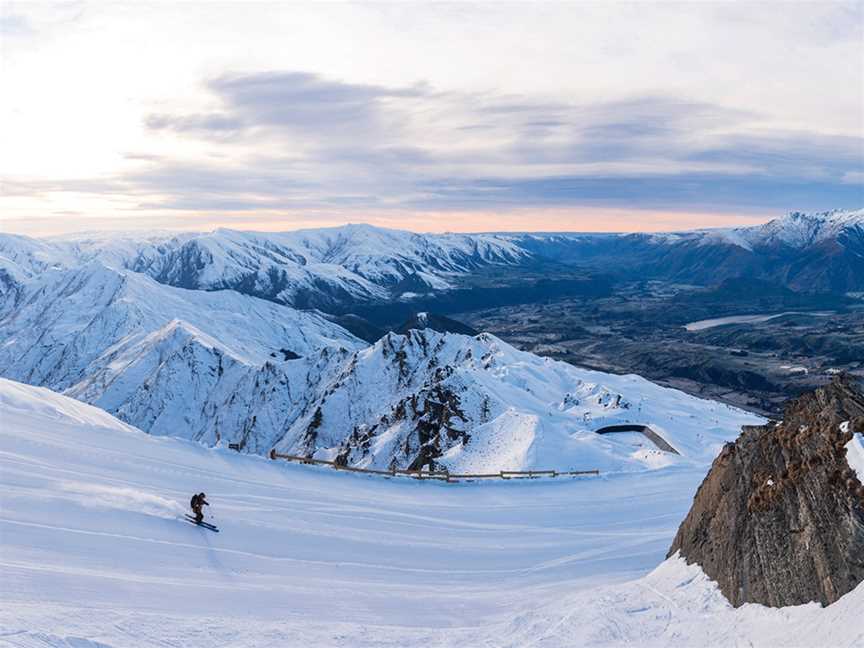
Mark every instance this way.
x=287 y=354
x=358 y=326
x=435 y=322
x=779 y=520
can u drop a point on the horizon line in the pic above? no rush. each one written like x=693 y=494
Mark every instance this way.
x=267 y=228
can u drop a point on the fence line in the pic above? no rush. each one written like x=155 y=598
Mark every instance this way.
x=441 y=475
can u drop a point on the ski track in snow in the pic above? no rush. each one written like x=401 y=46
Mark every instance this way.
x=95 y=552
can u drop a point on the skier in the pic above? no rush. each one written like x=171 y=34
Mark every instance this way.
x=196 y=503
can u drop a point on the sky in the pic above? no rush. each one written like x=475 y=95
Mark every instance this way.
x=576 y=116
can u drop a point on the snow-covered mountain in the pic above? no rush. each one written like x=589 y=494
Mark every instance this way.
x=795 y=230
x=68 y=319
x=220 y=367
x=821 y=252
x=333 y=268
x=477 y=404
x=798 y=230
x=304 y=268
x=106 y=336
x=95 y=318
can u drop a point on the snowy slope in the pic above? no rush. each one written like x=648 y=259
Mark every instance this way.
x=69 y=318
x=21 y=260
x=93 y=552
x=106 y=336
x=855 y=452
x=475 y=404
x=220 y=367
x=27 y=256
x=676 y=605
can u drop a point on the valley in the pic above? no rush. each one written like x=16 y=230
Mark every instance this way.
x=755 y=364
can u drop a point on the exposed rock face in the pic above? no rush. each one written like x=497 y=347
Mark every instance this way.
x=779 y=520
x=435 y=322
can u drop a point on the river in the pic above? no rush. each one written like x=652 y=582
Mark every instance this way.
x=701 y=325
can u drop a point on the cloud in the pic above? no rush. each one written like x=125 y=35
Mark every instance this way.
x=203 y=122
x=853 y=178
x=643 y=128
x=295 y=140
x=371 y=127
x=15 y=25
x=799 y=154
x=265 y=92
x=299 y=102
x=670 y=192
x=29 y=19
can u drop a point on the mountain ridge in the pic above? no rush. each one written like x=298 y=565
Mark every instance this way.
x=212 y=367
x=333 y=268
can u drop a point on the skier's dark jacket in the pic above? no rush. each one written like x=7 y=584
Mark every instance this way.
x=197 y=502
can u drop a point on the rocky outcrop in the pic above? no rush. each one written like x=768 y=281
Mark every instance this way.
x=421 y=321
x=779 y=520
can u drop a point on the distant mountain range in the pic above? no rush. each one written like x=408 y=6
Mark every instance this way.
x=200 y=336
x=331 y=269
x=306 y=269
x=222 y=367
x=821 y=252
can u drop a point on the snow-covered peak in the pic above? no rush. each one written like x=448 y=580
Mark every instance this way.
x=25 y=257
x=796 y=230
x=337 y=266
x=799 y=230
x=67 y=320
x=476 y=404
x=307 y=268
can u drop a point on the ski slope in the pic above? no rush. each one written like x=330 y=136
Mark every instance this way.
x=93 y=552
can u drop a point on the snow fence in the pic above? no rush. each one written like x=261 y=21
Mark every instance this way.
x=440 y=475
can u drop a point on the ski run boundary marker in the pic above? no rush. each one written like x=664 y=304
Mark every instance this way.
x=440 y=475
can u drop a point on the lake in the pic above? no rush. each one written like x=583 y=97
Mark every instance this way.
x=701 y=325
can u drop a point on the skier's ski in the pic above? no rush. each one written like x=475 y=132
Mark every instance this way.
x=206 y=525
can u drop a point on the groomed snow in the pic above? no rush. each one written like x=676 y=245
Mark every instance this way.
x=94 y=552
